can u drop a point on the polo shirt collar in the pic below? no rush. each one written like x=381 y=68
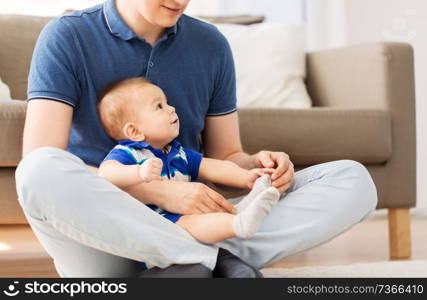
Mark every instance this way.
x=119 y=28
x=175 y=145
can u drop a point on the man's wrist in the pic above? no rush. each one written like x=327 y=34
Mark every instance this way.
x=245 y=160
x=149 y=192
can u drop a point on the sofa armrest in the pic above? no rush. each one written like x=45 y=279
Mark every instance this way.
x=378 y=75
x=320 y=134
x=12 y=119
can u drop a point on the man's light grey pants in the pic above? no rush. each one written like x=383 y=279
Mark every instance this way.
x=91 y=228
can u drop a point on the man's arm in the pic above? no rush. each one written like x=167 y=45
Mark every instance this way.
x=47 y=123
x=54 y=131
x=181 y=197
x=221 y=139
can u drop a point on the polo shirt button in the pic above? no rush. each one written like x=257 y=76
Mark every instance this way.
x=151 y=64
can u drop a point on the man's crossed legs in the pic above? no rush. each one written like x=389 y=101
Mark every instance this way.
x=91 y=228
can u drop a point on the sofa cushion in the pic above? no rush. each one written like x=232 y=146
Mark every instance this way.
x=18 y=35
x=12 y=117
x=310 y=136
x=319 y=134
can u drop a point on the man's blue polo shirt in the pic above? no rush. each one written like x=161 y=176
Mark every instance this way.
x=78 y=55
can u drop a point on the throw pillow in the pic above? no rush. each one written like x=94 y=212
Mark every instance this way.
x=4 y=91
x=270 y=64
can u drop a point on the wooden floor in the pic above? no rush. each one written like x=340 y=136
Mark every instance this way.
x=22 y=256
x=365 y=242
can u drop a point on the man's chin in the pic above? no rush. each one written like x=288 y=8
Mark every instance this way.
x=168 y=22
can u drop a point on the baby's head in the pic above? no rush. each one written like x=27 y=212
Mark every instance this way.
x=137 y=110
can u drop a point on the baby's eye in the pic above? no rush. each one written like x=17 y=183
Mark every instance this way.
x=159 y=106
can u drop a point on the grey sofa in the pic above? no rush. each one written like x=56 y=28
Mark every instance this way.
x=364 y=109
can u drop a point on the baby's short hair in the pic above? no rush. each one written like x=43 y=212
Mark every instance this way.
x=115 y=108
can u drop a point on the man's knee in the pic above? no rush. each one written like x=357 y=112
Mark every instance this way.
x=352 y=166
x=36 y=172
x=363 y=183
x=35 y=164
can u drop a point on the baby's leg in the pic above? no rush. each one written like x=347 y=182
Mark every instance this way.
x=215 y=227
x=208 y=228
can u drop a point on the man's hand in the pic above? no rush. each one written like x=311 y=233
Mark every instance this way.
x=254 y=174
x=283 y=176
x=181 y=197
x=197 y=198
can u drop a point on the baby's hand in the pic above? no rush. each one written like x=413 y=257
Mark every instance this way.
x=254 y=174
x=150 y=170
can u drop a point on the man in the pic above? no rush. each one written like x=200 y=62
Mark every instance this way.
x=90 y=227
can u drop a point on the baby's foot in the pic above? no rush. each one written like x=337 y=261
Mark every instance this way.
x=261 y=184
x=247 y=222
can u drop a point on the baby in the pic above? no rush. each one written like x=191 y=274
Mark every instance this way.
x=135 y=112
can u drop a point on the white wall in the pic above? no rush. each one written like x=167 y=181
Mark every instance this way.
x=274 y=10
x=325 y=24
x=345 y=22
x=43 y=7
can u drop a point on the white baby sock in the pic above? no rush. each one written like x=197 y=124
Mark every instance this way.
x=261 y=184
x=246 y=223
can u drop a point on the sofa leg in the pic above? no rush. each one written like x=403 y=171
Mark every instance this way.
x=399 y=229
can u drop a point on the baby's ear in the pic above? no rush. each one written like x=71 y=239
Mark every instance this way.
x=133 y=132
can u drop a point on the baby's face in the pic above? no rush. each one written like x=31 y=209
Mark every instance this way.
x=158 y=120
